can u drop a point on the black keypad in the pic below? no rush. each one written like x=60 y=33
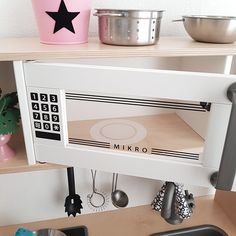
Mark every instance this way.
x=56 y=127
x=43 y=97
x=47 y=126
x=54 y=108
x=44 y=107
x=37 y=125
x=34 y=96
x=36 y=115
x=53 y=98
x=45 y=121
x=55 y=118
x=46 y=117
x=35 y=106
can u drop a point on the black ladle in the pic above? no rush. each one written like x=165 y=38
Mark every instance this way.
x=73 y=203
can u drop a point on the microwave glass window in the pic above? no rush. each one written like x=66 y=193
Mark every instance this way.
x=154 y=126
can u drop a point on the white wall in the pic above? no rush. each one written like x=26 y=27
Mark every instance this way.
x=29 y=197
x=35 y=196
x=17 y=17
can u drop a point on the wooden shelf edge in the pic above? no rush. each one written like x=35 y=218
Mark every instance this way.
x=30 y=168
x=12 y=49
x=19 y=162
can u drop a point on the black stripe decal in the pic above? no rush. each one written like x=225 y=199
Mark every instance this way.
x=87 y=140
x=130 y=99
x=184 y=155
x=175 y=155
x=137 y=102
x=89 y=143
x=145 y=105
x=169 y=151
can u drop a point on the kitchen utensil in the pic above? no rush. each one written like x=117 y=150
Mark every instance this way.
x=97 y=200
x=41 y=232
x=73 y=201
x=119 y=198
x=210 y=29
x=129 y=27
x=174 y=203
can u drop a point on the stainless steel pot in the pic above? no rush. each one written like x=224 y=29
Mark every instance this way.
x=211 y=29
x=128 y=27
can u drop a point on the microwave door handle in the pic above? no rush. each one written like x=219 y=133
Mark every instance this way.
x=226 y=174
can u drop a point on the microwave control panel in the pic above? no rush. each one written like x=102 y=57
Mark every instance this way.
x=45 y=111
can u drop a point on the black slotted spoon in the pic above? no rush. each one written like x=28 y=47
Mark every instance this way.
x=73 y=203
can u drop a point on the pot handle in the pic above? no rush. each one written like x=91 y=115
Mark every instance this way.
x=226 y=175
x=108 y=14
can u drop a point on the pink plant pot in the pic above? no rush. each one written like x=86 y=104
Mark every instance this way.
x=62 y=21
x=6 y=152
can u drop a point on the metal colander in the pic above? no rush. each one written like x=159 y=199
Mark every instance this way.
x=129 y=27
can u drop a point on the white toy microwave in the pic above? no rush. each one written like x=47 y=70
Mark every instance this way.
x=163 y=118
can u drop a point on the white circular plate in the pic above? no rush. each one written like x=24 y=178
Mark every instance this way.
x=118 y=131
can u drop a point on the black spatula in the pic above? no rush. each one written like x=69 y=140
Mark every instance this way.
x=73 y=203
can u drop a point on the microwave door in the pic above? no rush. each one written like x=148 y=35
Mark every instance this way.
x=138 y=125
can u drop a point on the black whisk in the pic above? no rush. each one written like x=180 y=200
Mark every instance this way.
x=73 y=203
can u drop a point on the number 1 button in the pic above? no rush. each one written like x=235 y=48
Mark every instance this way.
x=34 y=96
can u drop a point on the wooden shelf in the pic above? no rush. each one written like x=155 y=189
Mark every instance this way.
x=12 y=49
x=138 y=221
x=19 y=162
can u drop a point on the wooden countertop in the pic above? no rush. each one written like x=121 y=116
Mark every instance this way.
x=138 y=221
x=12 y=49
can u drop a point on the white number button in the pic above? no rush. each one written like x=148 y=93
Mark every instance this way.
x=55 y=118
x=54 y=108
x=35 y=106
x=53 y=98
x=46 y=126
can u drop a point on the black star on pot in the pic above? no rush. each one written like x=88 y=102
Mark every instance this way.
x=63 y=18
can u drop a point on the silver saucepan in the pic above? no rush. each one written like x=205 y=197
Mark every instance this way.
x=210 y=29
x=128 y=27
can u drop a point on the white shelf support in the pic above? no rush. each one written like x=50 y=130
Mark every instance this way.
x=22 y=96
